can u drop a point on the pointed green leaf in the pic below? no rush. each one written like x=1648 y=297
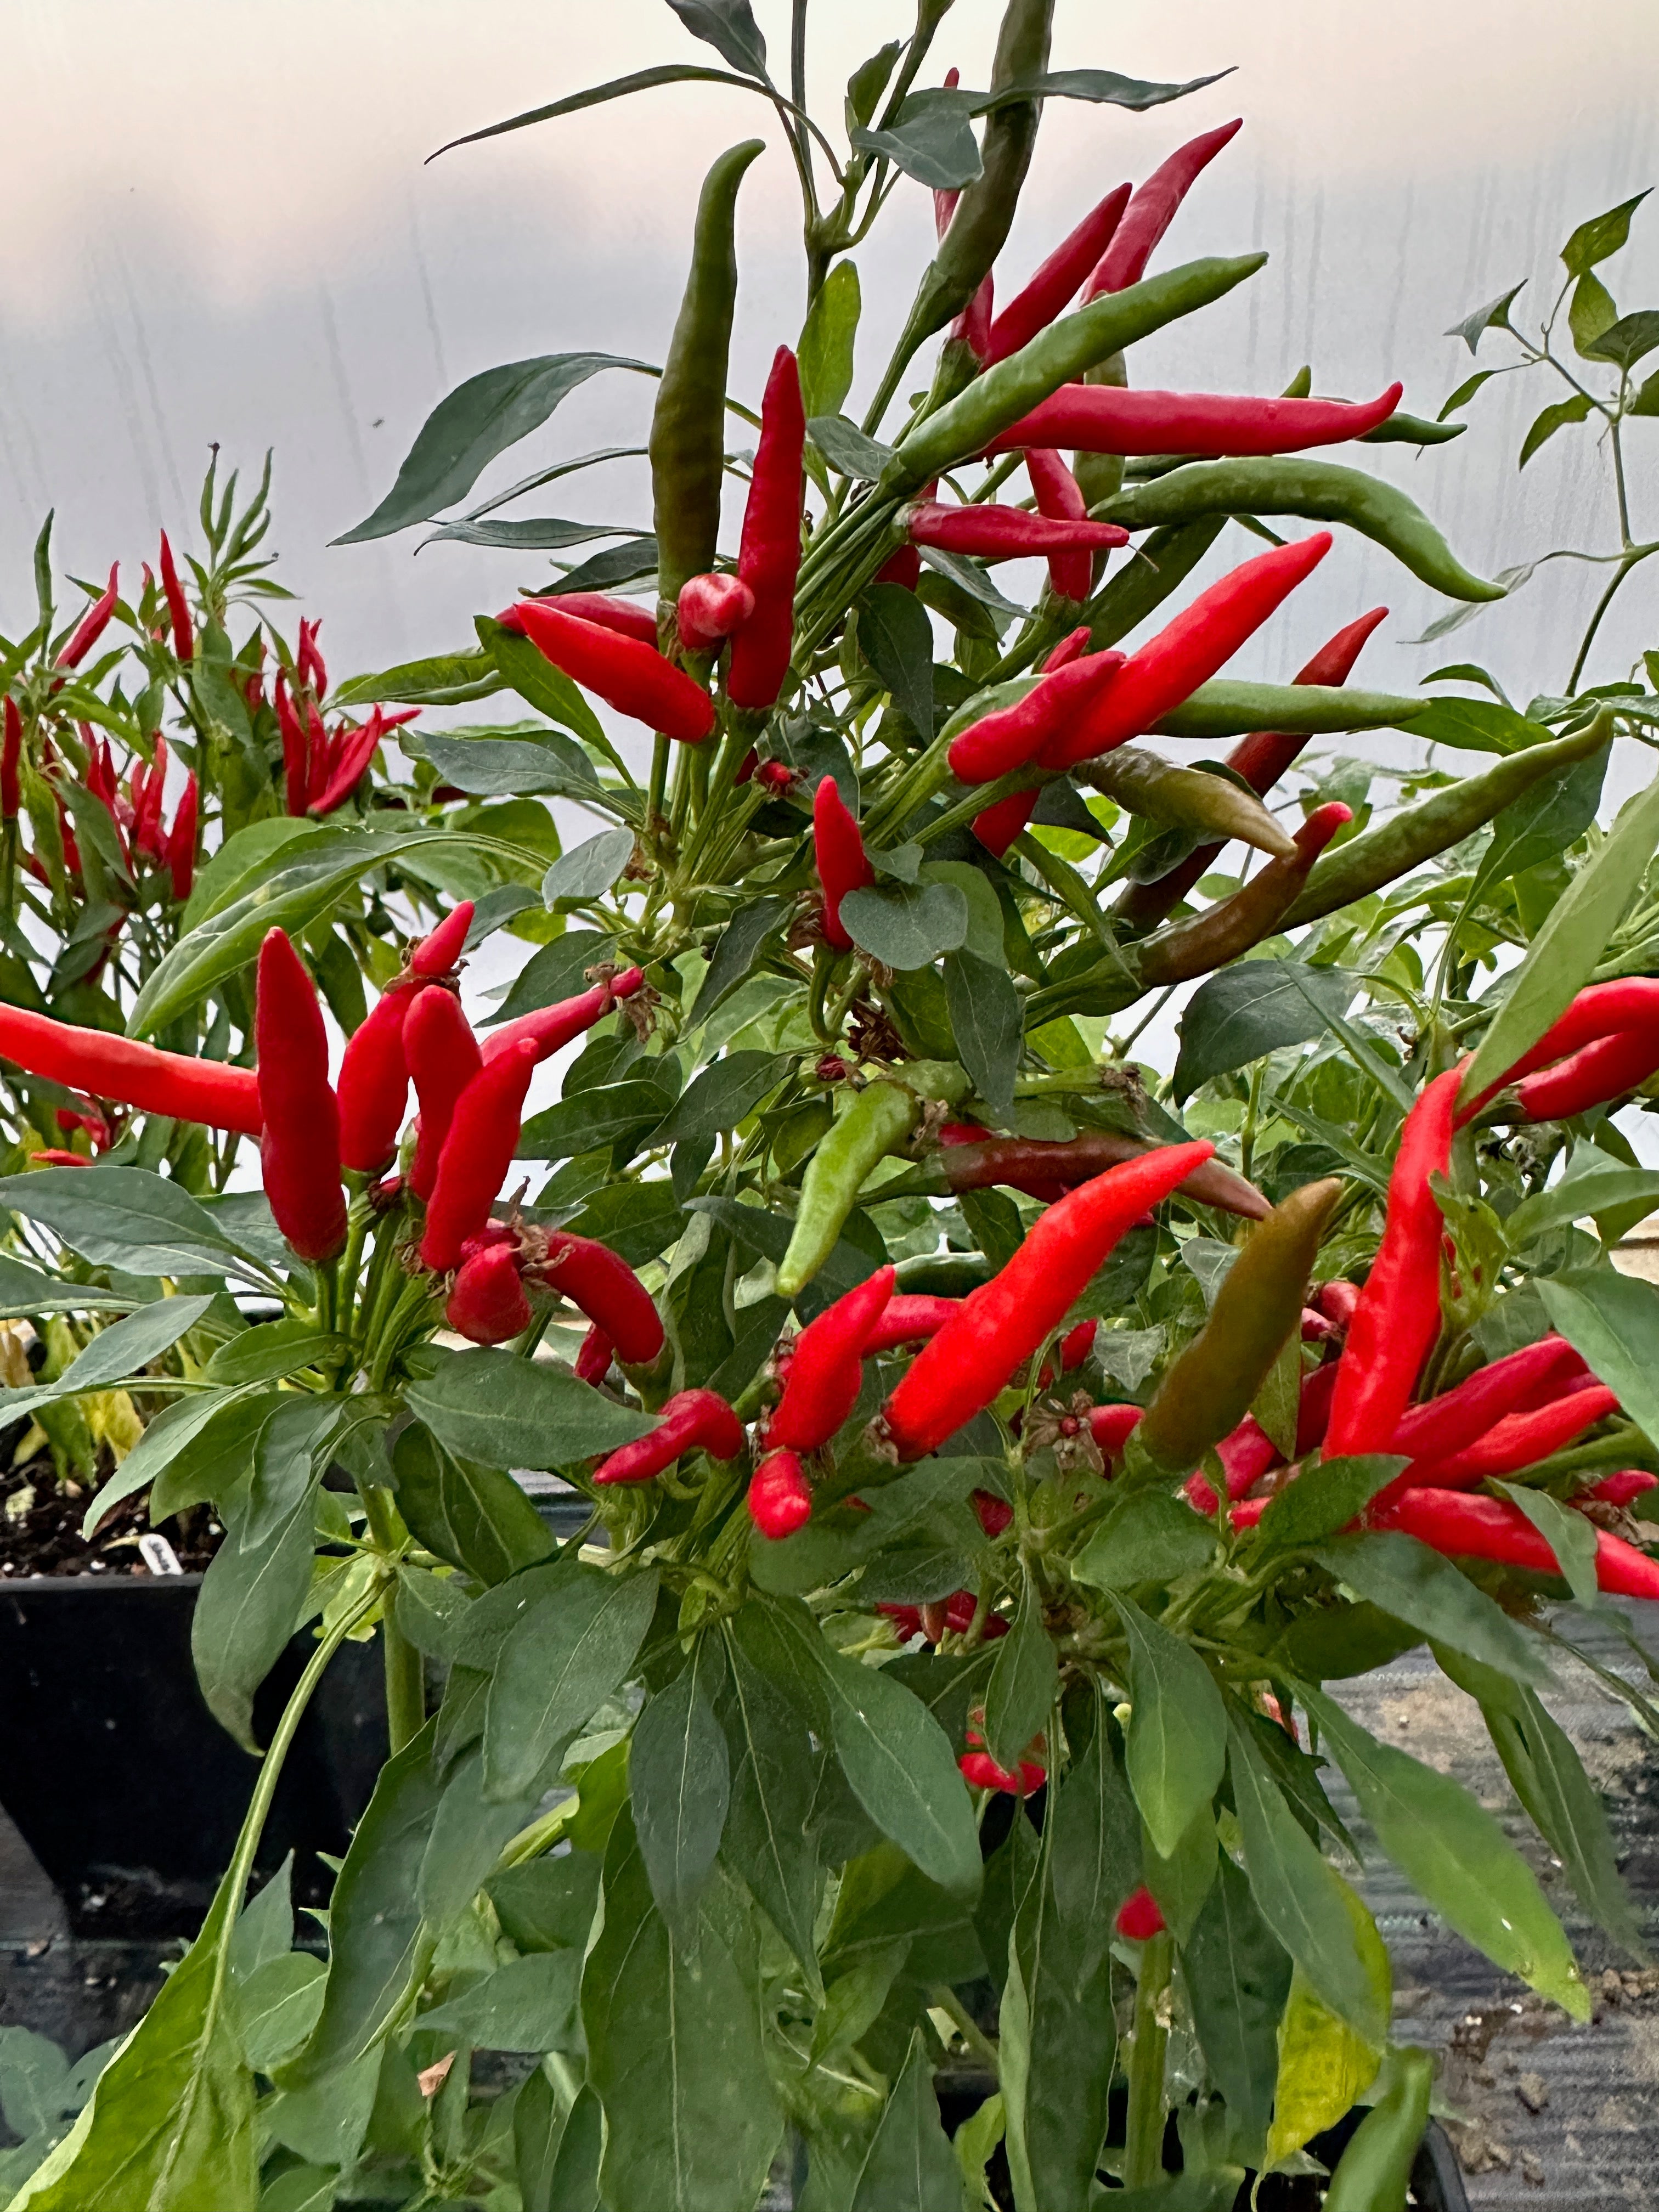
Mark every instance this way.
x=1177 y=1730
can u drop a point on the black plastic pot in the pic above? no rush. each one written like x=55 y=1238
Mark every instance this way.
x=121 y=1782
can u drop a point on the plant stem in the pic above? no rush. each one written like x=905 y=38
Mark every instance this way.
x=946 y=2000
x=1143 y=2148
x=406 y=1678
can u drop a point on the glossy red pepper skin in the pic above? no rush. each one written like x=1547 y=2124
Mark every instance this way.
x=1621 y=1489
x=299 y=1148
x=997 y=827
x=608 y=612
x=709 y=609
x=1602 y=1009
x=1071 y=647
x=435 y=956
x=692 y=1420
x=181 y=840
x=1111 y=1427
x=373 y=1088
x=1397 y=1317
x=1059 y=496
x=441 y=1055
x=826 y=1367
x=1603 y=1070
x=993 y=1514
x=1188 y=651
x=349 y=754
x=550 y=1029
x=605 y=1288
x=632 y=677
x=1519 y=1440
x=309 y=659
x=132 y=1074
x=1152 y=209
x=1442 y=1426
x=839 y=855
x=1245 y=1456
x=296 y=748
x=1058 y=280
x=1337 y=1301
x=12 y=754
x=594 y=1358
x=981 y=1771
x=1000 y=1325
x=477 y=1152
x=768 y=553
x=91 y=624
x=487 y=1305
x=908 y=1320
x=1493 y=1529
x=780 y=1498
x=1111 y=418
x=184 y=640
x=1004 y=533
x=1139 y=1919
x=1010 y=736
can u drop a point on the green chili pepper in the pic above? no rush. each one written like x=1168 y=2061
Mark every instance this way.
x=1161 y=566
x=1208 y=1390
x=687 y=429
x=1186 y=797
x=878 y=1122
x=1403 y=843
x=1374 y=2172
x=1012 y=387
x=1412 y=430
x=1321 y=491
x=1223 y=708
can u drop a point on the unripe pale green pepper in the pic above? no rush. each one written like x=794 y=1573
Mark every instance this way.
x=1374 y=2172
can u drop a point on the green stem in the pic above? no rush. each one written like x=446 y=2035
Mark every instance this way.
x=1143 y=2146
x=946 y=2000
x=406 y=1678
x=540 y=1836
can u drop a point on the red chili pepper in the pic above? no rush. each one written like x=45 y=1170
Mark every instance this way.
x=296 y=750
x=1519 y=1440
x=1314 y=1414
x=993 y=1514
x=1602 y=1009
x=692 y=1420
x=487 y=1305
x=1010 y=735
x=1139 y=1919
x=826 y=1368
x=606 y=1289
x=631 y=677
x=997 y=827
x=91 y=624
x=1604 y=1069
x=1152 y=209
x=435 y=956
x=55 y=1157
x=780 y=1498
x=1442 y=1426
x=1109 y=418
x=1111 y=1427
x=608 y=612
x=350 y=755
x=1004 y=534
x=181 y=839
x=903 y=568
x=373 y=1087
x=1188 y=651
x=1337 y=1301
x=10 y=755
x=1245 y=1456
x=972 y=327
x=184 y=641
x=441 y=1055
x=312 y=671
x=300 y=1149
x=955 y=1615
x=1074 y=1348
x=1057 y=281
x=838 y=853
x=550 y=1029
x=709 y=609
x=1000 y=1325
x=478 y=1152
x=1493 y=1529
x=204 y=1091
x=1071 y=647
x=87 y=1117
x=1059 y=496
x=594 y=1358
x=1621 y=1489
x=981 y=1771
x=1397 y=1317
x=908 y=1320
x=769 y=554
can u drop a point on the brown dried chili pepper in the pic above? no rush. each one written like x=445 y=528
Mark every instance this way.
x=839 y=856
x=826 y=1367
x=478 y=1152
x=441 y=1055
x=692 y=1420
x=1208 y=940
x=780 y=1498
x=1001 y=1324
x=969 y=1159
x=769 y=552
x=300 y=1145
x=632 y=677
x=1106 y=418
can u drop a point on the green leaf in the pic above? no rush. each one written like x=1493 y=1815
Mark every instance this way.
x=1239 y=1014
x=252 y=1599
x=1324 y=2067
x=768 y=1841
x=1564 y=954
x=1457 y=1856
x=988 y=1023
x=850 y=453
x=1150 y=1538
x=1324 y=1499
x=824 y=349
x=588 y=870
x=277 y=2007
x=116 y=1354
x=1569 y=1535
x=1556 y=416
x=1494 y=316
x=291 y=1452
x=726 y=1093
x=547 y=1903
x=740 y=944
x=441 y=679
x=558 y=1666
x=1603 y=1190
x=468 y=1836
x=903 y=926
x=730 y=27
x=1096 y=85
x=1477 y=725
x=589 y=1120
x=1610 y=1320
x=125 y=1217
x=272 y=1349
x=680 y=1781
x=1238 y=1978
x=1590 y=311
x=549 y=689
x=1177 y=1730
x=529 y=2004
x=470 y=425
x=910 y=2162
x=498 y=768
x=476 y=1517
x=1416 y=1585
x=1600 y=238
x=932 y=140
x=675 y=2054
x=530 y=534
x=484 y=1405
x=1023 y=1680
x=573 y=2184
x=903 y=1771
x=897 y=639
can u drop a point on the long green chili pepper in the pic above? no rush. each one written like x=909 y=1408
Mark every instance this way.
x=1403 y=843
x=688 y=427
x=879 y=1121
x=1185 y=797
x=1207 y=1391
x=1374 y=2172
x=1321 y=491
x=1223 y=708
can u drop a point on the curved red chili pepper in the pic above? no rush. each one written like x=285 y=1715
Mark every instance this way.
x=1074 y=1348
x=373 y=1086
x=184 y=641
x=993 y=1513
x=1599 y=1011
x=780 y=1498
x=1071 y=647
x=903 y=568
x=1604 y=1069
x=692 y=1420
x=1152 y=209
x=998 y=826
x=436 y=954
x=1058 y=280
x=181 y=840
x=709 y=609
x=1004 y=534
x=981 y=1771
x=299 y=1148
x=1621 y=1489
x=309 y=658
x=608 y=612
x=910 y=1319
x=1109 y=418
x=1519 y=1440
x=550 y=1029
x=999 y=1326
x=478 y=1152
x=1059 y=496
x=488 y=1303
x=603 y=1285
x=1245 y=1456
x=1493 y=1529
x=839 y=855
x=296 y=748
x=1010 y=735
x=1397 y=1317
x=632 y=677
x=1442 y=1426
x=594 y=1358
x=91 y=624
x=826 y=1367
x=441 y=1055
x=1337 y=1301
x=769 y=554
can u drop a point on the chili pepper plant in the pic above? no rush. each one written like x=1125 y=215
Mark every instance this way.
x=987 y=1473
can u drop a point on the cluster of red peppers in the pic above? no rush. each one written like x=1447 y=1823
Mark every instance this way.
x=137 y=812
x=321 y=767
